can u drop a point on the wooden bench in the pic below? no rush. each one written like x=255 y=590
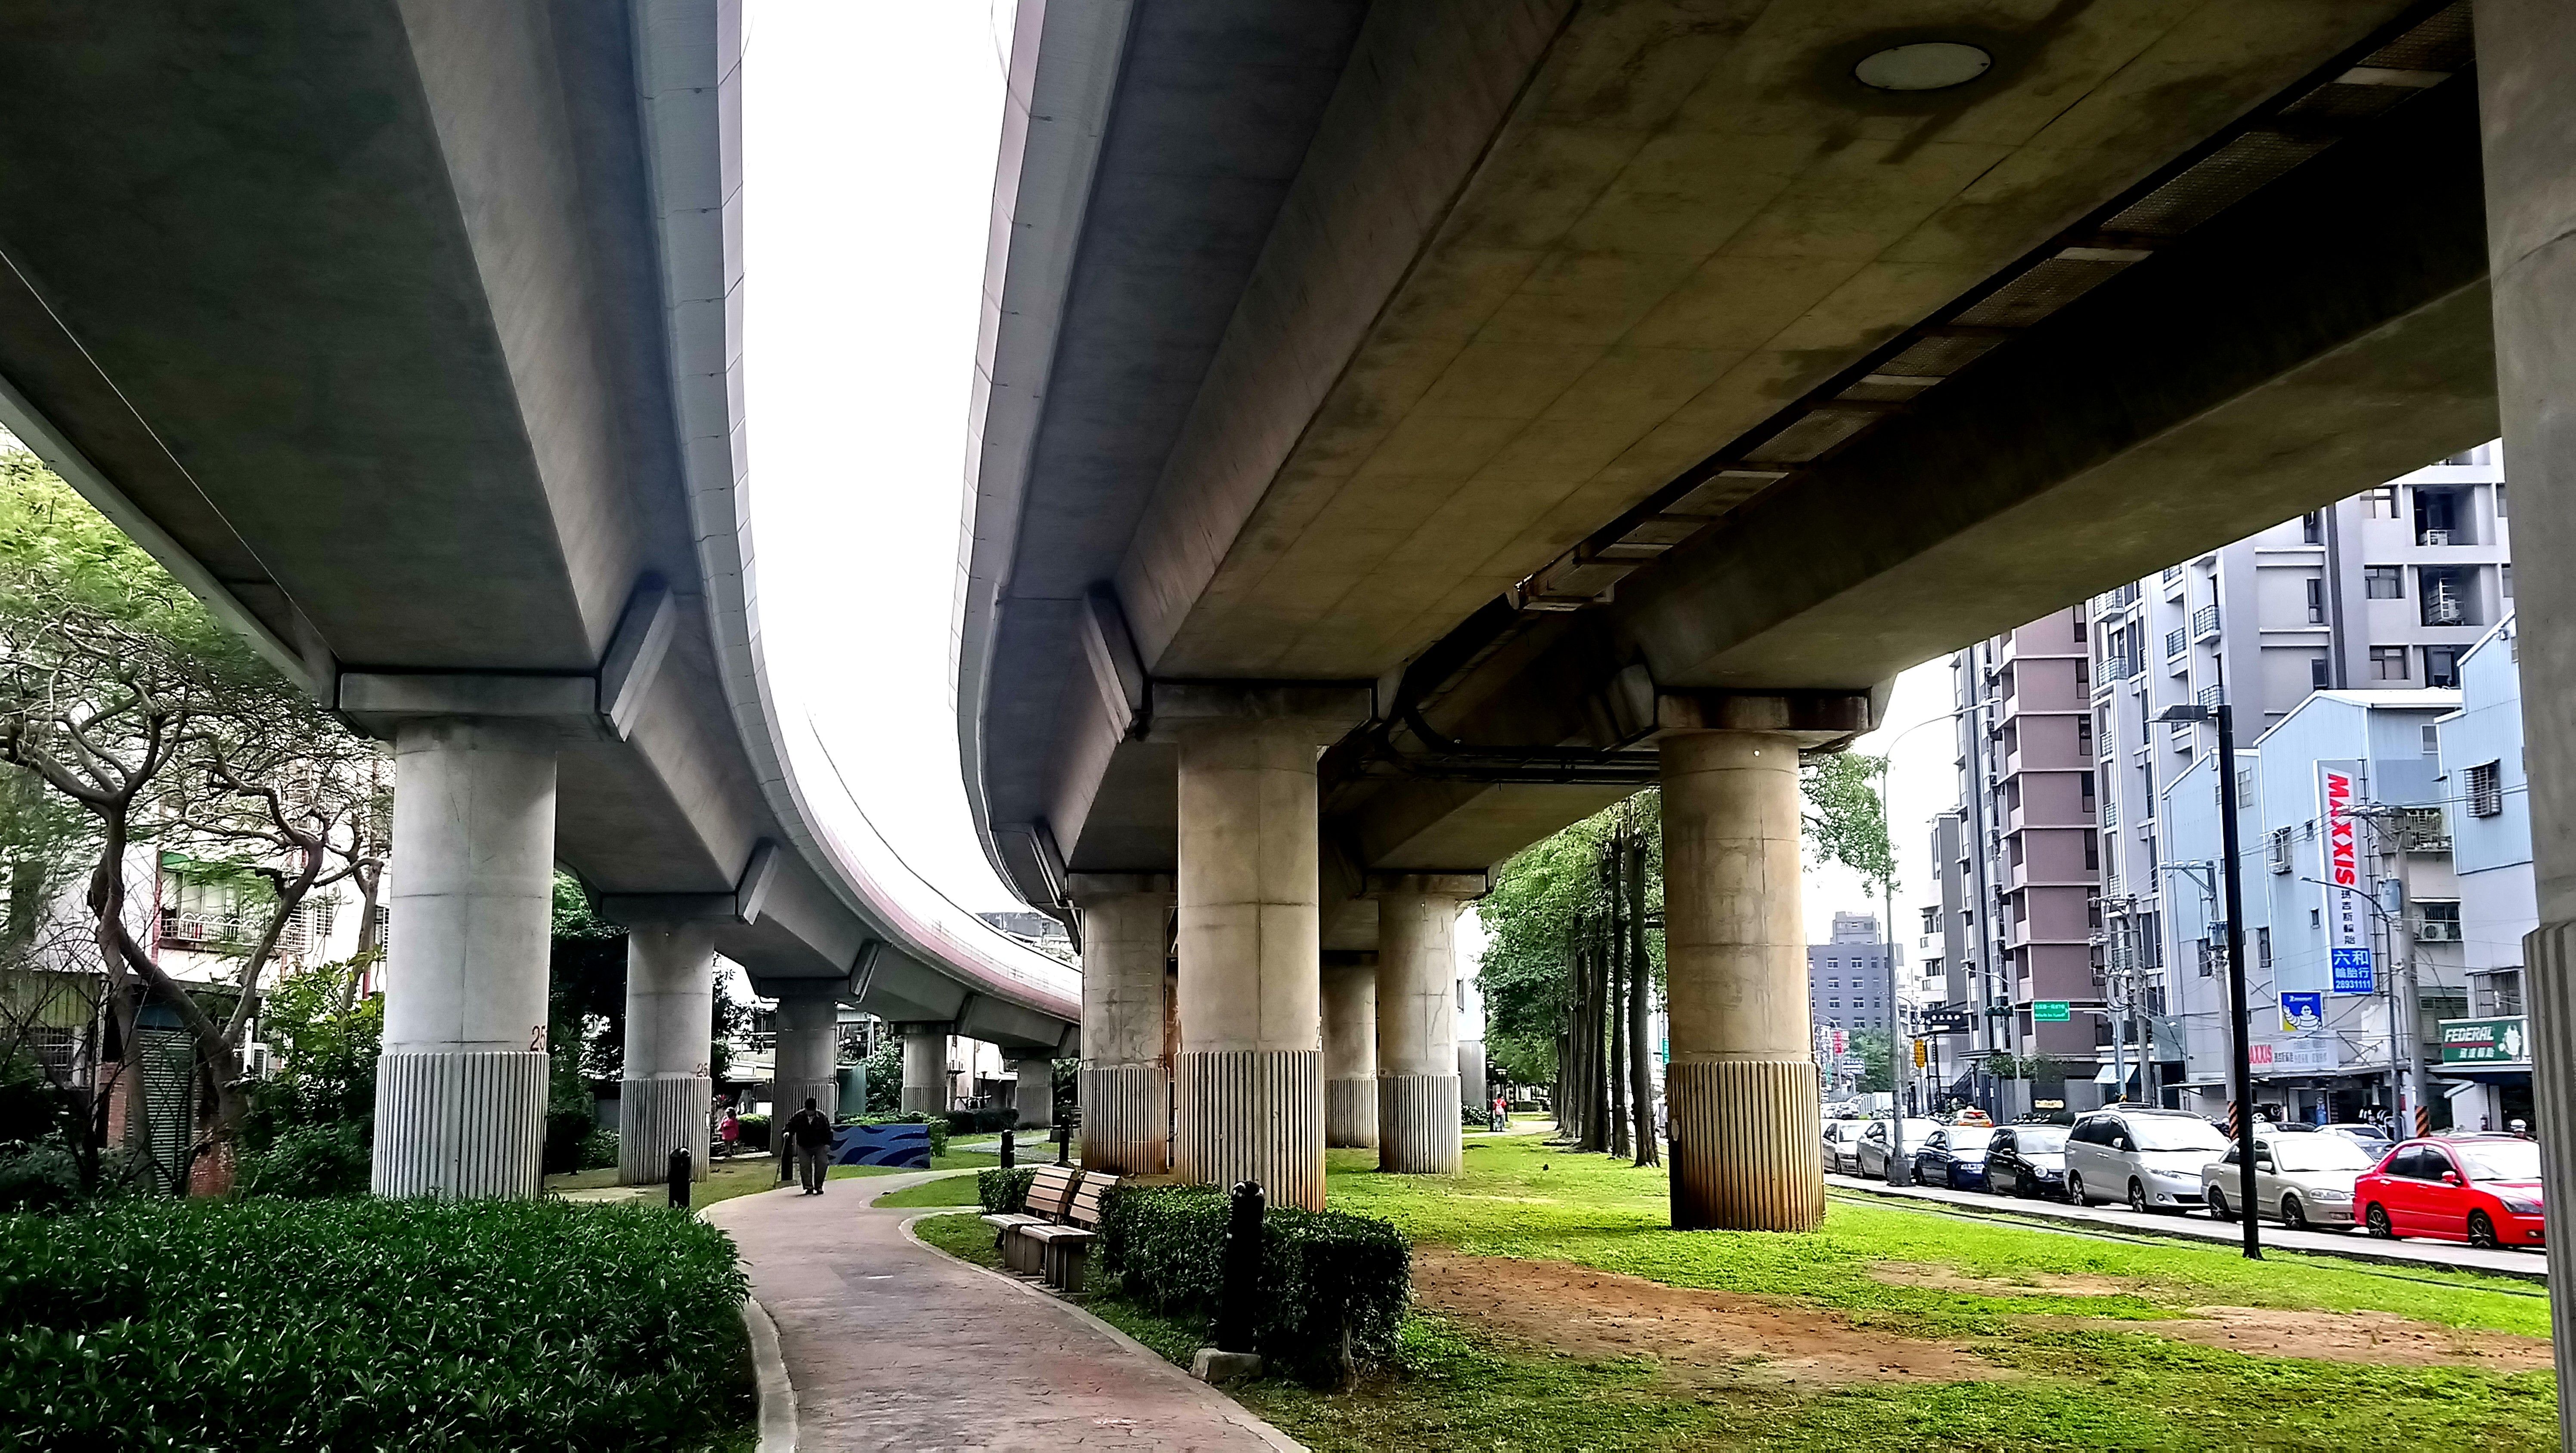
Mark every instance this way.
x=1064 y=1248
x=1050 y=1191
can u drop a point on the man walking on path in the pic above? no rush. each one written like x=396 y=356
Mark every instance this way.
x=809 y=1132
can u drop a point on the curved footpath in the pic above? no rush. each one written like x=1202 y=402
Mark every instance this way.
x=892 y=1345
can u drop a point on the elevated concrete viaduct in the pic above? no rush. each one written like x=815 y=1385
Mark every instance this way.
x=1598 y=394
x=408 y=336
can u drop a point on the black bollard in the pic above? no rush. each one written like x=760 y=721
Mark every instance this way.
x=679 y=1174
x=1010 y=1150
x=1242 y=1270
x=1063 y=1144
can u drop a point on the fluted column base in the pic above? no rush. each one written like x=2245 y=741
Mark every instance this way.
x=656 y=1117
x=2549 y=1004
x=1126 y=1119
x=1350 y=1112
x=1418 y=1124
x=1252 y=1115
x=460 y=1124
x=1748 y=1148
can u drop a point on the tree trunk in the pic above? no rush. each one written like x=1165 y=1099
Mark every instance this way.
x=1641 y=988
x=1616 y=967
x=1596 y=1125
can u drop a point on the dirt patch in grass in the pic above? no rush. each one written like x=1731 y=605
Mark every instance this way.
x=1700 y=1336
x=2380 y=1338
x=1951 y=1279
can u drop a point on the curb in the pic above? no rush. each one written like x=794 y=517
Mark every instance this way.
x=777 y=1394
x=2179 y=1231
x=1259 y=1427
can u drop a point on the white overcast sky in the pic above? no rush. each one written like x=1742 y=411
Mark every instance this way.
x=868 y=144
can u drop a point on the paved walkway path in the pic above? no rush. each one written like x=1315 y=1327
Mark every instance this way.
x=2350 y=1245
x=894 y=1346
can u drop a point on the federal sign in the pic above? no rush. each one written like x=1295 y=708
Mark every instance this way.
x=2347 y=911
x=2485 y=1041
x=2050 y=1011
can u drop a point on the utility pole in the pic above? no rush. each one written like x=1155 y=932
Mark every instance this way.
x=2241 y=1030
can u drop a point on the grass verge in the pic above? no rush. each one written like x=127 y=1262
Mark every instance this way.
x=2068 y=1371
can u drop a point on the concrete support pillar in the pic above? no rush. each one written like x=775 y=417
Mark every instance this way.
x=662 y=1103
x=461 y=1084
x=925 y=1068
x=1125 y=1086
x=809 y=1034
x=1350 y=1049
x=1417 y=1026
x=1250 y=1082
x=1746 y=1130
x=1033 y=1092
x=2526 y=76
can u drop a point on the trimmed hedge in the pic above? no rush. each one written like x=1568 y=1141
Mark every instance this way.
x=264 y=1323
x=1333 y=1285
x=1005 y=1192
x=984 y=1121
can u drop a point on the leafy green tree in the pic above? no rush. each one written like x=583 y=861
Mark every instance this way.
x=136 y=709
x=1843 y=818
x=1870 y=1046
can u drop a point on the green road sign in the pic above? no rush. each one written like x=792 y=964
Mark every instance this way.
x=2049 y=1011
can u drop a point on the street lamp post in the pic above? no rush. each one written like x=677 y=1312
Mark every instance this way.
x=2237 y=1018
x=1898 y=1168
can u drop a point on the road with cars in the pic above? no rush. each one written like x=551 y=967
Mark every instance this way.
x=2468 y=1201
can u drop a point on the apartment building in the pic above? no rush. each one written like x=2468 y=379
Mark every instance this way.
x=2482 y=1062
x=2385 y=591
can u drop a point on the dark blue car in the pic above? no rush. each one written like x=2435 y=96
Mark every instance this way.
x=1954 y=1156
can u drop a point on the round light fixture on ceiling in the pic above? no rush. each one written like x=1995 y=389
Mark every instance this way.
x=1930 y=65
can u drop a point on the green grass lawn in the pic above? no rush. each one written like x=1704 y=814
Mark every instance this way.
x=2066 y=1370
x=946 y=1191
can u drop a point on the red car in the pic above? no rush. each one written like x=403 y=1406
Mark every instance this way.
x=2481 y=1189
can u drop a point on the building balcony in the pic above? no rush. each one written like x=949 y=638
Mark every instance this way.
x=2204 y=623
x=2176 y=640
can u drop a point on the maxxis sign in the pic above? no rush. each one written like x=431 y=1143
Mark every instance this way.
x=2347 y=905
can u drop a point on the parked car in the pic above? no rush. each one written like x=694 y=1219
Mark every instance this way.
x=2364 y=1134
x=2301 y=1179
x=1954 y=1156
x=1842 y=1145
x=1871 y=1156
x=2148 y=1158
x=2027 y=1160
x=2481 y=1189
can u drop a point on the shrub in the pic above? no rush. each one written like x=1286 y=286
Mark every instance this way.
x=755 y=1131
x=599 y=1149
x=1333 y=1285
x=568 y=1131
x=263 y=1323
x=38 y=1176
x=1005 y=1191
x=983 y=1121
x=938 y=1126
x=308 y=1162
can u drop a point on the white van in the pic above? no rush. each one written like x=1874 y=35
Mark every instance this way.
x=2148 y=1158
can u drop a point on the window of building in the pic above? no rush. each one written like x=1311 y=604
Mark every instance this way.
x=2316 y=602
x=2504 y=581
x=2092 y=854
x=2381 y=502
x=2384 y=582
x=2388 y=663
x=2486 y=789
x=2499 y=993
x=2202 y=955
x=2441 y=668
x=2280 y=854
x=2320 y=673
x=2440 y=922
x=2084 y=735
x=2500 y=510
x=2312 y=527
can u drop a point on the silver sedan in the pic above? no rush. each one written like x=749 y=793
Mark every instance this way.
x=2303 y=1180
